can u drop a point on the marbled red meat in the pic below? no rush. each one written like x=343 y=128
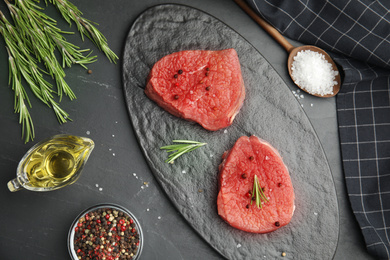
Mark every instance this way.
x=201 y=86
x=253 y=156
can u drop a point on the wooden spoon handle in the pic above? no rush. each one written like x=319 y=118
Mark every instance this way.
x=266 y=26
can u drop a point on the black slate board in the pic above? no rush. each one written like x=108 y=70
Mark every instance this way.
x=270 y=111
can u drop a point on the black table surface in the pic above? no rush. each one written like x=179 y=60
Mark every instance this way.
x=34 y=225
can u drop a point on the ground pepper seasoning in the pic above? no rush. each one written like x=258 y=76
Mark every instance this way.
x=106 y=233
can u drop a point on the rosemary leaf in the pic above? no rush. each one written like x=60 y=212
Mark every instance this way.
x=186 y=141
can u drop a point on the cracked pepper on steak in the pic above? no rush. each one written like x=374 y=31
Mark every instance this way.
x=198 y=85
x=252 y=156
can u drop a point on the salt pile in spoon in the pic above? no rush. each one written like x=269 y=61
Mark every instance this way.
x=312 y=72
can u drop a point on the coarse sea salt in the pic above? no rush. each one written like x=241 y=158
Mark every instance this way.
x=312 y=72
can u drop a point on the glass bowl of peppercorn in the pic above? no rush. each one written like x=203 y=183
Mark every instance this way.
x=105 y=231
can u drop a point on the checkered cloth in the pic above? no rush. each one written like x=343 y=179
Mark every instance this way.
x=357 y=34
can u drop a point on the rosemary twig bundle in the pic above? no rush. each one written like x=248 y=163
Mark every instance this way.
x=22 y=64
x=182 y=147
x=33 y=38
x=42 y=36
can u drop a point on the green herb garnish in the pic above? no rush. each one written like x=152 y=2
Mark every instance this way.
x=257 y=193
x=183 y=146
x=35 y=46
x=71 y=13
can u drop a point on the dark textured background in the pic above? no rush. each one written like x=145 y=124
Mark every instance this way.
x=35 y=225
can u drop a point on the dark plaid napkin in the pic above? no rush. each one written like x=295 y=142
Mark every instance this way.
x=357 y=34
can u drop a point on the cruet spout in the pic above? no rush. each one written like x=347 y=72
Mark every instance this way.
x=14 y=185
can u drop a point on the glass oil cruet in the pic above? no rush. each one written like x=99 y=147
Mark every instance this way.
x=52 y=163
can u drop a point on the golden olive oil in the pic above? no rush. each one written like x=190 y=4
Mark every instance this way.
x=53 y=163
x=50 y=170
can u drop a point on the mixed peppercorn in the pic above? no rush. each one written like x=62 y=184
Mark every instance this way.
x=106 y=234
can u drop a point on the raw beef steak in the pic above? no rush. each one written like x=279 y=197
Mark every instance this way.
x=201 y=86
x=252 y=156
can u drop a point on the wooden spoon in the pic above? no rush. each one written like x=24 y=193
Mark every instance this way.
x=290 y=48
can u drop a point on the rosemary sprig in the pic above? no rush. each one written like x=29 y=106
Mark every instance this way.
x=20 y=98
x=183 y=146
x=257 y=193
x=71 y=13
